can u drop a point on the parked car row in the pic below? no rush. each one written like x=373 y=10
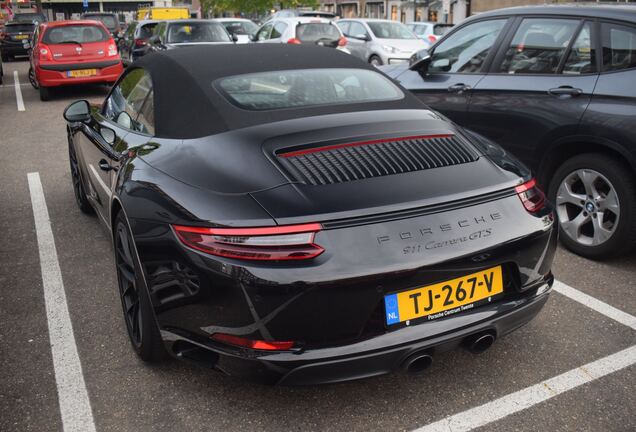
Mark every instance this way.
x=375 y=41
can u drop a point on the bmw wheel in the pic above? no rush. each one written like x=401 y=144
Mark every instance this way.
x=595 y=199
x=138 y=315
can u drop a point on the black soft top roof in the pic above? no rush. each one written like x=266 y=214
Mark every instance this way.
x=187 y=104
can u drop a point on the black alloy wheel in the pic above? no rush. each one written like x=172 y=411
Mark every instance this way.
x=142 y=329
x=78 y=187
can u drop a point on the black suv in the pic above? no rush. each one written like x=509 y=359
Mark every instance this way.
x=110 y=21
x=556 y=86
x=14 y=39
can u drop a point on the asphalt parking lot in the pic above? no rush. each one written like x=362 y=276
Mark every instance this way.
x=593 y=326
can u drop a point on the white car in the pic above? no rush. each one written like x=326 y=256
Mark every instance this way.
x=380 y=42
x=302 y=30
x=242 y=28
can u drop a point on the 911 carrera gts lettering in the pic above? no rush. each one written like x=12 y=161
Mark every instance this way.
x=439 y=244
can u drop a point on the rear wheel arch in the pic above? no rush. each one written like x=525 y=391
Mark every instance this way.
x=115 y=208
x=557 y=154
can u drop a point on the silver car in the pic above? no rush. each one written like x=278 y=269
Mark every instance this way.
x=429 y=31
x=380 y=42
x=302 y=30
x=242 y=28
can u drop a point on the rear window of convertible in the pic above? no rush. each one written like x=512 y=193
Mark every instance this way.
x=307 y=87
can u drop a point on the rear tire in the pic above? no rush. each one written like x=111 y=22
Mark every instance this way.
x=595 y=199
x=32 y=79
x=138 y=312
x=45 y=93
x=76 y=177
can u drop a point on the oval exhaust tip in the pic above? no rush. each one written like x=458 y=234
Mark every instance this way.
x=417 y=363
x=481 y=343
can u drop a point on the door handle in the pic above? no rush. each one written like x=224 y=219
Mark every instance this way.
x=565 y=91
x=104 y=165
x=458 y=88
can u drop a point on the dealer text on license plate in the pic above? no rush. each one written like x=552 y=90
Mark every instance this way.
x=444 y=298
x=81 y=73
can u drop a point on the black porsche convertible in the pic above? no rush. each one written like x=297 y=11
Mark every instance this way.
x=291 y=215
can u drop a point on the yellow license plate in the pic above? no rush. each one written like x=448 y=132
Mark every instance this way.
x=81 y=73
x=444 y=298
x=21 y=36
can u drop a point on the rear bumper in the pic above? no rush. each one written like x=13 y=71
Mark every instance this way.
x=13 y=49
x=56 y=75
x=139 y=52
x=380 y=355
x=333 y=307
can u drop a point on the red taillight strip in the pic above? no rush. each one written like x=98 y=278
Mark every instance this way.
x=360 y=143
x=531 y=196
x=286 y=242
x=282 y=229
x=526 y=186
x=253 y=344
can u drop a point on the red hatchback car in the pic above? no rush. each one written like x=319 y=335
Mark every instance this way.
x=73 y=52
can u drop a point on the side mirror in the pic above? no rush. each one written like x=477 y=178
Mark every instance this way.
x=108 y=135
x=362 y=37
x=154 y=40
x=78 y=111
x=420 y=60
x=441 y=65
x=124 y=120
x=235 y=38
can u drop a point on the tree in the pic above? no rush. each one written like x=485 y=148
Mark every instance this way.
x=214 y=7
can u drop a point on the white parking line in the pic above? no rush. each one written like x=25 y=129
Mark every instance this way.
x=18 y=91
x=533 y=395
x=595 y=304
x=13 y=85
x=75 y=406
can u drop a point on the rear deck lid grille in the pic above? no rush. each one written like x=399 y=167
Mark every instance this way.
x=346 y=162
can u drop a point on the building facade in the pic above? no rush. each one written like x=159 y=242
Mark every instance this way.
x=400 y=10
x=445 y=11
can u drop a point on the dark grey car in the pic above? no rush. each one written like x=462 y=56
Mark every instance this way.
x=188 y=32
x=557 y=87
